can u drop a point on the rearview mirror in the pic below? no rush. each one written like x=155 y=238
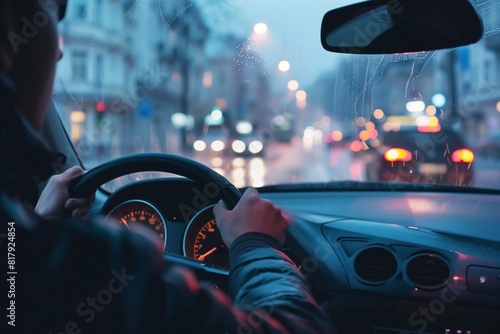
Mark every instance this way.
x=399 y=26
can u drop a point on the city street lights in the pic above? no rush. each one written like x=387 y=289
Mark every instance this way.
x=439 y=100
x=260 y=28
x=301 y=95
x=283 y=66
x=415 y=106
x=301 y=99
x=293 y=85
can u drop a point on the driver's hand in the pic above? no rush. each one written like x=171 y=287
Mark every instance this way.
x=251 y=214
x=54 y=202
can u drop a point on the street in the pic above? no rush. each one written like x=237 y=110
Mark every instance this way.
x=297 y=162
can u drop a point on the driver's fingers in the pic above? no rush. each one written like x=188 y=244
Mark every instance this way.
x=286 y=215
x=77 y=203
x=220 y=209
x=72 y=173
x=79 y=213
x=250 y=193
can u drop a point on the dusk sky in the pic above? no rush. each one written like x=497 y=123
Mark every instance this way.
x=293 y=33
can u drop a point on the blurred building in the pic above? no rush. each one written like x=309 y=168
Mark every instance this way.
x=479 y=85
x=123 y=78
x=95 y=70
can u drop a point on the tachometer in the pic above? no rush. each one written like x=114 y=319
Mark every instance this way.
x=203 y=241
x=140 y=212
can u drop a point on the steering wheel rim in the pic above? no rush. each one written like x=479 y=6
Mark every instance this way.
x=159 y=162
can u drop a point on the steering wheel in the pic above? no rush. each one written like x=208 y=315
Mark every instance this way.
x=159 y=162
x=169 y=163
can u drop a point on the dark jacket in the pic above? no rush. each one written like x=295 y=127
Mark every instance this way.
x=84 y=277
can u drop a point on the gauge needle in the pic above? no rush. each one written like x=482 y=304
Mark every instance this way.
x=202 y=256
x=125 y=222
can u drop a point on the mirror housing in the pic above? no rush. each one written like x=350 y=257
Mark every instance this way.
x=400 y=26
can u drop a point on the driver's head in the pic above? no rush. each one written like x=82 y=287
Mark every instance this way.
x=29 y=51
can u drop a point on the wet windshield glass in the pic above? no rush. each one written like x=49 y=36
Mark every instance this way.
x=246 y=88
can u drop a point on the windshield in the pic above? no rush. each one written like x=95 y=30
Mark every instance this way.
x=246 y=88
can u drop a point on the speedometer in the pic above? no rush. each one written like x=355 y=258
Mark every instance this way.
x=203 y=241
x=140 y=213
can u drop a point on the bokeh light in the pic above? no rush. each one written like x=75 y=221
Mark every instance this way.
x=430 y=110
x=260 y=28
x=283 y=66
x=293 y=85
x=378 y=114
x=301 y=95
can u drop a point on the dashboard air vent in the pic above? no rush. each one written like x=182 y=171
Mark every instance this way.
x=428 y=271
x=375 y=265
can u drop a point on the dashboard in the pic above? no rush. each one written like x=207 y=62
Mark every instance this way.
x=402 y=261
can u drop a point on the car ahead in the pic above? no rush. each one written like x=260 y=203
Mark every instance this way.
x=248 y=145
x=380 y=257
x=423 y=155
x=214 y=140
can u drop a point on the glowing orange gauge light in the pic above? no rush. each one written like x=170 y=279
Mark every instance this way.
x=462 y=155
x=397 y=154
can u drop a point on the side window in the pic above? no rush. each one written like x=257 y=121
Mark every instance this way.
x=79 y=66
x=81 y=11
x=98 y=71
x=487 y=71
x=98 y=11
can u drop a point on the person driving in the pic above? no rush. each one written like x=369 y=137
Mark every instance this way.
x=78 y=275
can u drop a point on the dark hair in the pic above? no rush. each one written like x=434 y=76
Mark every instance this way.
x=62 y=9
x=22 y=6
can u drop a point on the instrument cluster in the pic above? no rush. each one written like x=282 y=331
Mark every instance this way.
x=196 y=237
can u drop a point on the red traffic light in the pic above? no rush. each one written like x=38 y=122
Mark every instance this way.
x=101 y=106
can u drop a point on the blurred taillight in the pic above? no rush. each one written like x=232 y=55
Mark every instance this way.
x=429 y=128
x=397 y=154
x=462 y=155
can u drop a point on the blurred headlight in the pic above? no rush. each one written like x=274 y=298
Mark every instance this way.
x=217 y=145
x=244 y=127
x=238 y=146
x=255 y=146
x=199 y=145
